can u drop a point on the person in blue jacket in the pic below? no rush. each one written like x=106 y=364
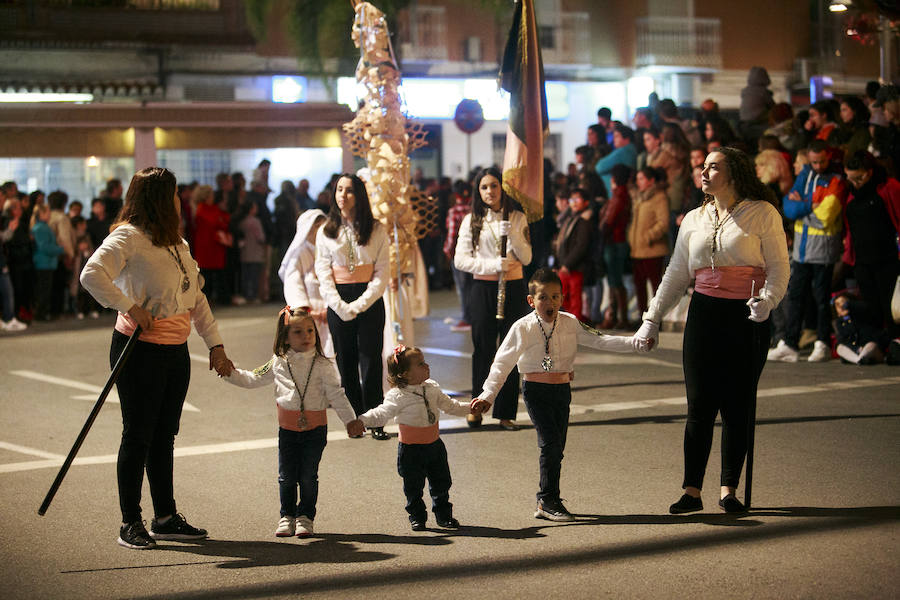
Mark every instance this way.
x=625 y=153
x=46 y=258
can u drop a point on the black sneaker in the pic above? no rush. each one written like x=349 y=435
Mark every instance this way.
x=417 y=525
x=176 y=528
x=133 y=535
x=552 y=511
x=686 y=504
x=449 y=523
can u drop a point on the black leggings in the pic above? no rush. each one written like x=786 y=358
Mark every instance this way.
x=724 y=354
x=485 y=329
x=357 y=348
x=152 y=387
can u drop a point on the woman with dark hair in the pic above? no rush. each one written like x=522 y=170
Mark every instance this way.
x=144 y=269
x=352 y=268
x=734 y=246
x=478 y=252
x=853 y=131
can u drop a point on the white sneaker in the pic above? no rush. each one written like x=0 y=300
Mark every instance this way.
x=285 y=527
x=80 y=316
x=16 y=325
x=304 y=527
x=821 y=352
x=782 y=352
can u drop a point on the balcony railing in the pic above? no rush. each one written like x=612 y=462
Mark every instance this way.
x=567 y=39
x=425 y=36
x=679 y=42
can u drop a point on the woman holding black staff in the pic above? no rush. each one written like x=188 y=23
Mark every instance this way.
x=144 y=269
x=478 y=252
x=352 y=267
x=735 y=248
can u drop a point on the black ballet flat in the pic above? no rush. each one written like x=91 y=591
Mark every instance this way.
x=378 y=433
x=732 y=505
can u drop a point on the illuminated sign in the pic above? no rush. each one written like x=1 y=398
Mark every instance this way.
x=288 y=89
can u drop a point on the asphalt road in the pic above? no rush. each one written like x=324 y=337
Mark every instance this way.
x=825 y=522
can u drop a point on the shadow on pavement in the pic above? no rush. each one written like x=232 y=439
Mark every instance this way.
x=801 y=521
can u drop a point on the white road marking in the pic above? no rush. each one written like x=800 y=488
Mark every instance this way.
x=449 y=423
x=31 y=451
x=113 y=397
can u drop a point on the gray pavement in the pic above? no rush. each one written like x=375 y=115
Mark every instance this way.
x=825 y=524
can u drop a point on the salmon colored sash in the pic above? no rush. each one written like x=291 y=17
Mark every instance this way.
x=514 y=272
x=360 y=274
x=418 y=435
x=735 y=283
x=170 y=331
x=288 y=419
x=542 y=377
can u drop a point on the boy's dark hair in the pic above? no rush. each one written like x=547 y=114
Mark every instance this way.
x=824 y=107
x=818 y=146
x=604 y=113
x=543 y=276
x=398 y=364
x=283 y=326
x=598 y=129
x=78 y=220
x=586 y=151
x=57 y=200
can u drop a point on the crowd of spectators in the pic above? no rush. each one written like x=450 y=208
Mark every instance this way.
x=610 y=221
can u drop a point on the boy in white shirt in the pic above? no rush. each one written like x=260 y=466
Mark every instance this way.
x=543 y=345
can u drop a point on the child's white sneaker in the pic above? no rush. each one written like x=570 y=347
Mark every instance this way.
x=286 y=527
x=304 y=527
x=821 y=352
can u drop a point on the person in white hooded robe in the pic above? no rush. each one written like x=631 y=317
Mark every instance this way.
x=297 y=271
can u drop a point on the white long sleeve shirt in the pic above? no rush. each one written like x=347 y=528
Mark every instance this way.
x=524 y=347
x=337 y=252
x=127 y=269
x=752 y=235
x=324 y=388
x=407 y=406
x=486 y=260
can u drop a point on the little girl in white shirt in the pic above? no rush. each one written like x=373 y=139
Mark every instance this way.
x=305 y=384
x=417 y=401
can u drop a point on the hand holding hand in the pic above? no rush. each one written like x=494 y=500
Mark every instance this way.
x=759 y=309
x=355 y=428
x=479 y=406
x=220 y=362
x=646 y=338
x=504 y=228
x=141 y=316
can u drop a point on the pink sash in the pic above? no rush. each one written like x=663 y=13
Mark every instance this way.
x=171 y=331
x=730 y=282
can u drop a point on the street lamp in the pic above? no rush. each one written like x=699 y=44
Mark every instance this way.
x=839 y=5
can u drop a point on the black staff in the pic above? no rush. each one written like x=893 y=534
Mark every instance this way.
x=501 y=280
x=90 y=420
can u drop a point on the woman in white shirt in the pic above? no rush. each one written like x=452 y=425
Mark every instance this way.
x=478 y=252
x=352 y=268
x=734 y=246
x=144 y=269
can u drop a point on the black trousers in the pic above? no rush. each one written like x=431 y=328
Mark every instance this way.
x=415 y=463
x=548 y=407
x=152 y=387
x=723 y=355
x=805 y=276
x=357 y=348
x=486 y=328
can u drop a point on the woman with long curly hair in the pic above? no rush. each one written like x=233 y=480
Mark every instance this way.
x=733 y=245
x=478 y=252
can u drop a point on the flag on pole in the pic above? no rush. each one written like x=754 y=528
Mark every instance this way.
x=522 y=75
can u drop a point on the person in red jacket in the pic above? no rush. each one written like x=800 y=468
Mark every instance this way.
x=871 y=226
x=211 y=238
x=614 y=226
